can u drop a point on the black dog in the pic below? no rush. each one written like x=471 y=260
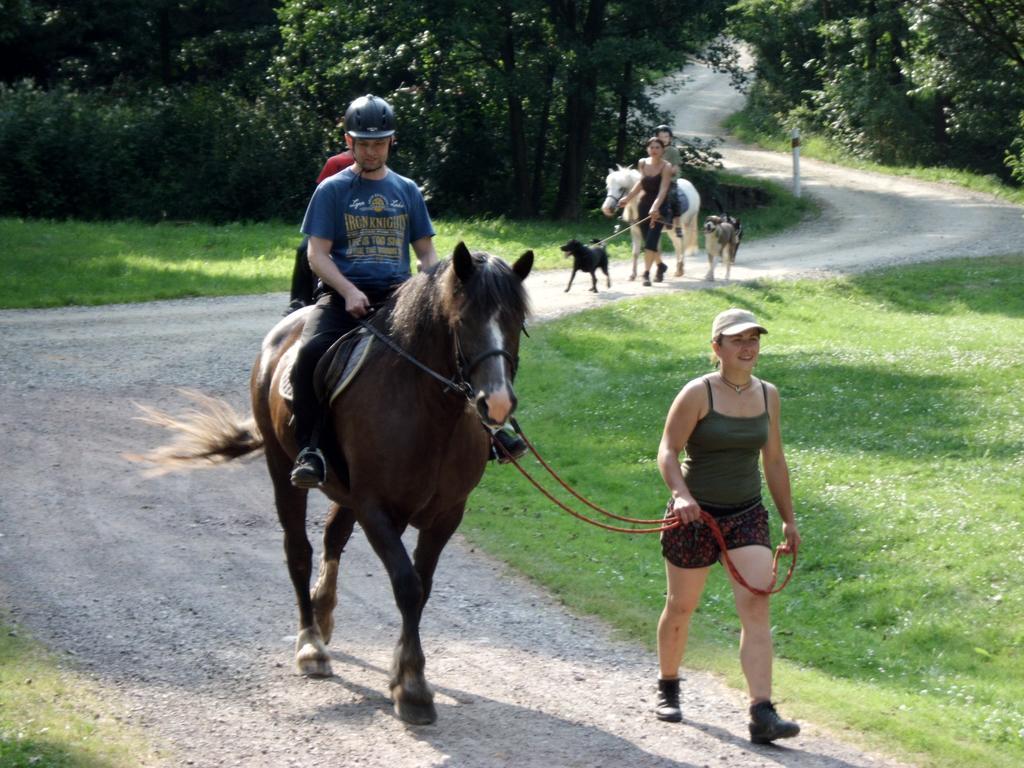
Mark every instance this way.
x=587 y=259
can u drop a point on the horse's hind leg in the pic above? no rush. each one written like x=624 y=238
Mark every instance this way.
x=636 y=239
x=413 y=699
x=677 y=244
x=311 y=655
x=337 y=531
x=690 y=242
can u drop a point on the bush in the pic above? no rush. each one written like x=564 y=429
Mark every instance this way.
x=192 y=154
x=1015 y=157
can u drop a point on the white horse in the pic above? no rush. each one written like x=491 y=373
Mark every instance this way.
x=623 y=179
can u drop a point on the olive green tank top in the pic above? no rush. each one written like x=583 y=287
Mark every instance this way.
x=721 y=465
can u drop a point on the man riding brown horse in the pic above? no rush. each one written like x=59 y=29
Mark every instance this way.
x=360 y=223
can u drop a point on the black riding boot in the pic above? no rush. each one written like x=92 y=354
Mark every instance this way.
x=662 y=268
x=310 y=469
x=766 y=725
x=668 y=708
x=647 y=278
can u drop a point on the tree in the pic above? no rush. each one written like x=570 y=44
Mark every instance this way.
x=925 y=81
x=132 y=43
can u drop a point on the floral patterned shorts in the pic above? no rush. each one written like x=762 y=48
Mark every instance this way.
x=694 y=546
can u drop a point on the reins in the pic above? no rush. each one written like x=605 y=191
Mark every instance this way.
x=623 y=231
x=650 y=526
x=386 y=340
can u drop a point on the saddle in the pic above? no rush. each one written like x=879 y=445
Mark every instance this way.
x=337 y=368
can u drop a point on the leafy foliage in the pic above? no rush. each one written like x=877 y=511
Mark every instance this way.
x=517 y=111
x=178 y=154
x=930 y=81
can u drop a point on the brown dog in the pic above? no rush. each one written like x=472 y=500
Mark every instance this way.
x=722 y=236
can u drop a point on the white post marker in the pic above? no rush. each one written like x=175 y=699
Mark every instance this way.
x=795 y=141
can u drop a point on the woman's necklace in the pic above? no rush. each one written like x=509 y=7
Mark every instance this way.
x=738 y=387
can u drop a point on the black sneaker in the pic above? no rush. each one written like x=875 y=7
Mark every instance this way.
x=514 y=447
x=310 y=470
x=668 y=708
x=662 y=269
x=766 y=726
x=647 y=279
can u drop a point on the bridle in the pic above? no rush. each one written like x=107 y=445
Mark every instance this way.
x=463 y=367
x=466 y=367
x=615 y=201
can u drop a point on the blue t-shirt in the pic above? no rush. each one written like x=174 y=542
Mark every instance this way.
x=370 y=224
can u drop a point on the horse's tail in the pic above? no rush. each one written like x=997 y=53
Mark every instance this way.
x=212 y=432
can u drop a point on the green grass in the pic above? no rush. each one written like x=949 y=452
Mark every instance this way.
x=52 y=264
x=905 y=437
x=50 y=716
x=820 y=148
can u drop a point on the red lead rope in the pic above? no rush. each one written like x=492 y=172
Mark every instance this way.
x=652 y=526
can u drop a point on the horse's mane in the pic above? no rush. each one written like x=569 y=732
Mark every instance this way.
x=438 y=295
x=622 y=175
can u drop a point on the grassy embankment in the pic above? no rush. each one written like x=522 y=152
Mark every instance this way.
x=51 y=716
x=905 y=622
x=747 y=129
x=51 y=264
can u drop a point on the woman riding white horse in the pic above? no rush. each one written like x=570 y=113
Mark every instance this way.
x=623 y=179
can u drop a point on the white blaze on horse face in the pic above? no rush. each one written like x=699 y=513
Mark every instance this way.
x=499 y=398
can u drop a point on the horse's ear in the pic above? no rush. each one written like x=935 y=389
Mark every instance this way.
x=463 y=261
x=523 y=265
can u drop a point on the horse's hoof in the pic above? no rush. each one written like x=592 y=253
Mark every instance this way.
x=421 y=713
x=679 y=271
x=312 y=664
x=311 y=655
x=633 y=276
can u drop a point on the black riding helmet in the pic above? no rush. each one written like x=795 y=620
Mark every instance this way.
x=661 y=128
x=369 y=117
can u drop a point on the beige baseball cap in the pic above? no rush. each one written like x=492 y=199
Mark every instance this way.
x=733 y=321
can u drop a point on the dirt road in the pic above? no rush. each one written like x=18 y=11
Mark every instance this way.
x=173 y=594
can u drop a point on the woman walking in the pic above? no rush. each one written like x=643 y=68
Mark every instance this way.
x=724 y=421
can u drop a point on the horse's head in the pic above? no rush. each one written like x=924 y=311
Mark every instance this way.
x=487 y=309
x=618 y=183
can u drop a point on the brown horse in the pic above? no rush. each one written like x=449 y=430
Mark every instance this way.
x=404 y=448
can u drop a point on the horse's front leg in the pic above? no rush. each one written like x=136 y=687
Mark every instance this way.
x=413 y=699
x=311 y=656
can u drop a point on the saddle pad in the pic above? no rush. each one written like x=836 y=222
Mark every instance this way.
x=334 y=372
x=342 y=362
x=284 y=365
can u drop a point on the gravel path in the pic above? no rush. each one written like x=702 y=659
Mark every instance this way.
x=172 y=591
